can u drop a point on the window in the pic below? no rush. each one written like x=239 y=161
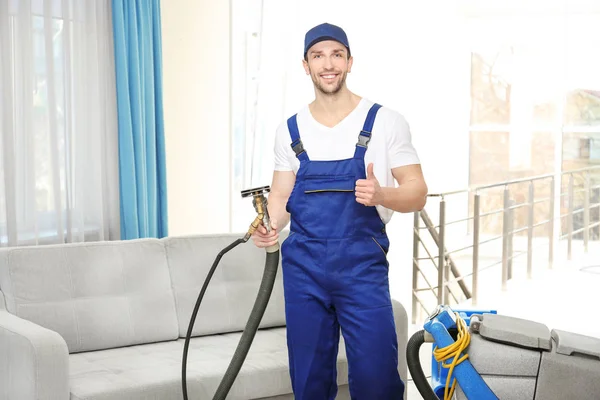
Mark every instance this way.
x=535 y=98
x=490 y=89
x=58 y=113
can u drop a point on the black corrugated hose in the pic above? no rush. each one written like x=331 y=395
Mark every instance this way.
x=260 y=304
x=415 y=367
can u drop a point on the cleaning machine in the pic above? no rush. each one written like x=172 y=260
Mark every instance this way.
x=481 y=355
x=262 y=299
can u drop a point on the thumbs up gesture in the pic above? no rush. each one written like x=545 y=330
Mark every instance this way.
x=368 y=191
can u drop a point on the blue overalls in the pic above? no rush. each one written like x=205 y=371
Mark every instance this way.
x=335 y=274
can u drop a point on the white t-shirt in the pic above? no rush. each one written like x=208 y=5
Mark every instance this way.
x=390 y=146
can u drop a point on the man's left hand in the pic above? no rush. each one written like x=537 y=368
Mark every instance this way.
x=368 y=191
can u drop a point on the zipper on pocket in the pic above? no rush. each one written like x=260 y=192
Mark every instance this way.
x=327 y=190
x=382 y=250
x=320 y=184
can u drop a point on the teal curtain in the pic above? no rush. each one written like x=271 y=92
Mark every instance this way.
x=142 y=166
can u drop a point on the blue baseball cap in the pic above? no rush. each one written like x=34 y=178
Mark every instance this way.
x=325 y=32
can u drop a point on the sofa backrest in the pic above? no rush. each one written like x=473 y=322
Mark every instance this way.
x=96 y=295
x=100 y=295
x=232 y=292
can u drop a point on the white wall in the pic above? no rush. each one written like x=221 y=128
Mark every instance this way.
x=195 y=37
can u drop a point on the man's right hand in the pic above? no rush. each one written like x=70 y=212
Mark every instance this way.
x=281 y=188
x=263 y=239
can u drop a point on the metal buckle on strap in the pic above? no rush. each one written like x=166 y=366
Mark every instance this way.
x=298 y=148
x=363 y=140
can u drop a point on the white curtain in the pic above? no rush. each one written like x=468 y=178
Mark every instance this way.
x=58 y=147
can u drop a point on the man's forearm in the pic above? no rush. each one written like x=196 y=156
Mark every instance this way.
x=277 y=211
x=408 y=197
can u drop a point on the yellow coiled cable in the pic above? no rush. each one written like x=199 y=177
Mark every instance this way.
x=453 y=352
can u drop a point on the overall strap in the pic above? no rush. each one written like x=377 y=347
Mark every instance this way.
x=364 y=136
x=296 y=144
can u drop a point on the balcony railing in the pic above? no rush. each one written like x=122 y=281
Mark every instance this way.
x=483 y=236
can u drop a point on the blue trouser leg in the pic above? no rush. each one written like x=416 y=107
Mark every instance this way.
x=363 y=304
x=371 y=348
x=313 y=341
x=312 y=327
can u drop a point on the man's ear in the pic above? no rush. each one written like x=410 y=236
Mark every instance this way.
x=350 y=62
x=306 y=67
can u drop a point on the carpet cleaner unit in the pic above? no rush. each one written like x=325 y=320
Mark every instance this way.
x=480 y=355
x=262 y=299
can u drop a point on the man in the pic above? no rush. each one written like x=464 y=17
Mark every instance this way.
x=335 y=165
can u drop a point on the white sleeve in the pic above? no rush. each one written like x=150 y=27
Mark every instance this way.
x=400 y=147
x=282 y=149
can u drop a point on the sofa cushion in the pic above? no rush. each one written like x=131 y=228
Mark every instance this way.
x=153 y=371
x=95 y=295
x=230 y=296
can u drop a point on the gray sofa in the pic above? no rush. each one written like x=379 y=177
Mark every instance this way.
x=105 y=320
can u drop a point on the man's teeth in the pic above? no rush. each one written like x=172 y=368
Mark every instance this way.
x=328 y=76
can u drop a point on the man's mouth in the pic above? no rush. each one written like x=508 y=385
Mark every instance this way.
x=329 y=77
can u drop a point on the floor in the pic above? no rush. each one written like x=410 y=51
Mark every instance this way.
x=564 y=297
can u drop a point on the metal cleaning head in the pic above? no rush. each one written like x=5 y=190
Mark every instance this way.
x=259 y=201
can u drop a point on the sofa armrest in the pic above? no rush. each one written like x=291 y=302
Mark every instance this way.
x=401 y=321
x=35 y=361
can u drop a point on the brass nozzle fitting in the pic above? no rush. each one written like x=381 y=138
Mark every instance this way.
x=254 y=226
x=260 y=205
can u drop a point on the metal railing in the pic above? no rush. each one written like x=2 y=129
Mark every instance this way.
x=549 y=213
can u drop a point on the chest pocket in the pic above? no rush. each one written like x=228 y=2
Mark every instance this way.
x=327 y=205
x=326 y=184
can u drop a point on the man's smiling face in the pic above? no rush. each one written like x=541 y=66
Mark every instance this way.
x=328 y=64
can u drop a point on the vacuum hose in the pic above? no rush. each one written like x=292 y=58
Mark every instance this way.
x=415 y=368
x=260 y=304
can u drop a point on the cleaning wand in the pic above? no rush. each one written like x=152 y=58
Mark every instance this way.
x=262 y=299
